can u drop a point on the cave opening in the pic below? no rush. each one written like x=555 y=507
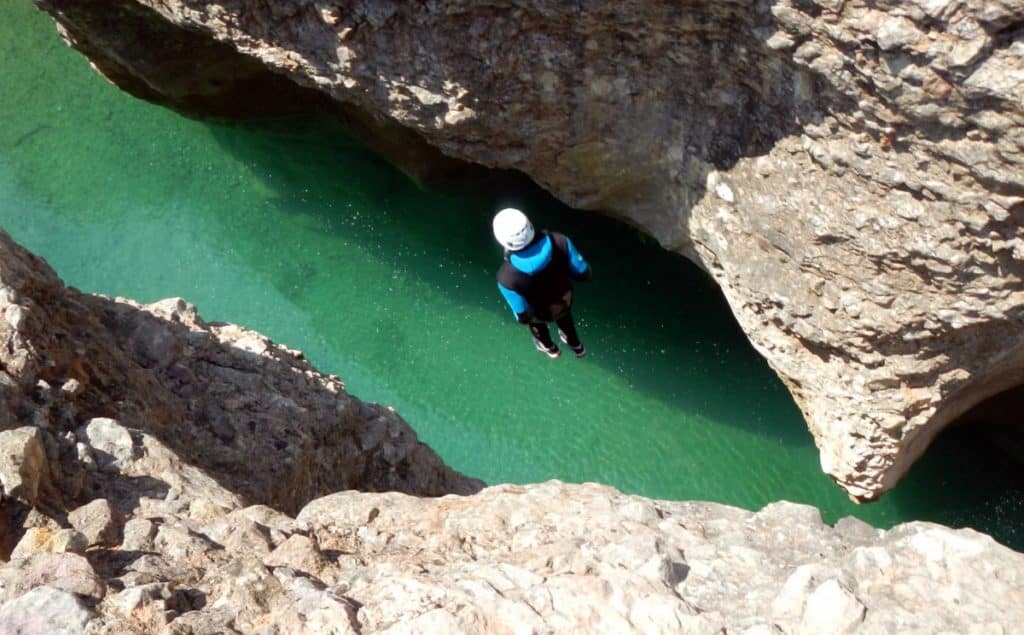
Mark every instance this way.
x=998 y=421
x=972 y=474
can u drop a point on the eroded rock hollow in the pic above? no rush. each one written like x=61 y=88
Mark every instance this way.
x=849 y=172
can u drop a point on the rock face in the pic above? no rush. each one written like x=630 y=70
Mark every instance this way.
x=556 y=557
x=105 y=398
x=850 y=172
x=153 y=463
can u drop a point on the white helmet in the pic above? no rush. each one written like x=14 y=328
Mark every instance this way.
x=512 y=229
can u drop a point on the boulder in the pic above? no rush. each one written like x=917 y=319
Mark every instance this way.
x=111 y=443
x=45 y=540
x=24 y=467
x=44 y=611
x=138 y=535
x=297 y=552
x=276 y=521
x=160 y=600
x=98 y=522
x=65 y=571
x=247 y=535
x=832 y=609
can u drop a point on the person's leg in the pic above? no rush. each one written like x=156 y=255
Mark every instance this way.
x=542 y=338
x=567 y=331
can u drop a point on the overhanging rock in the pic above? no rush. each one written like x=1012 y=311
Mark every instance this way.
x=849 y=172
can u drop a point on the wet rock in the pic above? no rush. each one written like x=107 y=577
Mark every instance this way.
x=98 y=522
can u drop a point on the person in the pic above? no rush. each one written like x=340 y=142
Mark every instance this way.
x=536 y=279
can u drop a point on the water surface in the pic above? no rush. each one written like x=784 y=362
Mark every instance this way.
x=291 y=227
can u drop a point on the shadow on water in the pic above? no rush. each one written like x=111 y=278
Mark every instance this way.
x=650 y=316
x=973 y=473
x=965 y=480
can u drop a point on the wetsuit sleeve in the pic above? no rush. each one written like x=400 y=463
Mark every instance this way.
x=520 y=307
x=580 y=268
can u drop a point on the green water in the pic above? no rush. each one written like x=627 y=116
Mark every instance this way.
x=291 y=227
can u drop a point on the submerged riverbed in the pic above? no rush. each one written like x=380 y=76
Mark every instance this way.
x=292 y=227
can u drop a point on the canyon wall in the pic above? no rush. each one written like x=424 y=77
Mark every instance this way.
x=850 y=172
x=162 y=474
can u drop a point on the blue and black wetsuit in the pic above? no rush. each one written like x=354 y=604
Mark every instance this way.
x=536 y=281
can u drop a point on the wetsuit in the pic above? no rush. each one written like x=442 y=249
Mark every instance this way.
x=536 y=281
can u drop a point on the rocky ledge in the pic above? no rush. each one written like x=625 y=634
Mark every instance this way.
x=161 y=474
x=145 y=403
x=850 y=172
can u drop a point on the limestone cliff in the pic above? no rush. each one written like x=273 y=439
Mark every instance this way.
x=150 y=382
x=850 y=172
x=152 y=464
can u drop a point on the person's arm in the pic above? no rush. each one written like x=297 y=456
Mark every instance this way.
x=520 y=307
x=579 y=267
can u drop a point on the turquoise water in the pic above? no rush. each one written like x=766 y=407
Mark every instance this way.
x=291 y=227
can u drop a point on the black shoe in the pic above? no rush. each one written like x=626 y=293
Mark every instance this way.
x=552 y=352
x=578 y=351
